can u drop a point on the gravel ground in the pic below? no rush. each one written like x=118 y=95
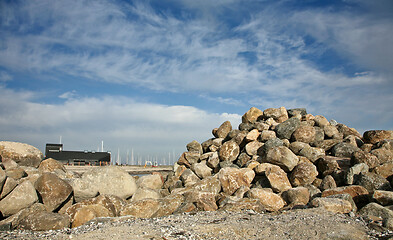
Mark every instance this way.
x=294 y=224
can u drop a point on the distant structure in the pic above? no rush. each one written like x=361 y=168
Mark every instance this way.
x=55 y=151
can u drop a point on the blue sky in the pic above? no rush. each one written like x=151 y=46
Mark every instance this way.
x=155 y=75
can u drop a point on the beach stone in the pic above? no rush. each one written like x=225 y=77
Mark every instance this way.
x=296 y=196
x=304 y=134
x=213 y=160
x=243 y=204
x=201 y=169
x=286 y=129
x=261 y=126
x=252 y=147
x=374 y=136
x=335 y=205
x=224 y=129
x=372 y=182
x=2 y=178
x=143 y=193
x=252 y=115
x=208 y=184
x=232 y=179
x=278 y=114
x=383 y=197
x=344 y=150
x=113 y=181
x=327 y=165
x=271 y=201
x=50 y=165
x=23 y=154
x=15 y=173
x=44 y=221
x=296 y=147
x=321 y=121
x=183 y=161
x=152 y=181
x=358 y=193
x=303 y=174
x=327 y=144
x=384 y=155
x=364 y=157
x=296 y=111
x=277 y=178
x=189 y=178
x=23 y=196
x=385 y=170
x=8 y=186
x=205 y=201
x=53 y=190
x=252 y=135
x=83 y=189
x=229 y=151
x=332 y=132
x=354 y=171
x=169 y=205
x=312 y=153
x=144 y=208
x=283 y=157
x=260 y=169
x=347 y=197
x=374 y=209
x=347 y=131
x=328 y=182
x=313 y=190
x=267 y=135
x=192 y=157
x=194 y=146
x=353 y=140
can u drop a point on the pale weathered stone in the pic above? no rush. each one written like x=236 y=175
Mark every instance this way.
x=283 y=157
x=192 y=157
x=243 y=204
x=364 y=157
x=143 y=193
x=335 y=205
x=260 y=169
x=44 y=221
x=358 y=193
x=385 y=170
x=383 y=197
x=328 y=182
x=296 y=196
x=304 y=134
x=229 y=151
x=21 y=153
x=277 y=178
x=252 y=147
x=374 y=136
x=223 y=130
x=321 y=121
x=312 y=153
x=209 y=184
x=113 y=181
x=270 y=200
x=83 y=189
x=252 y=115
x=303 y=174
x=374 y=209
x=372 y=182
x=153 y=181
x=8 y=186
x=194 y=146
x=204 y=201
x=53 y=190
x=278 y=114
x=346 y=131
x=50 y=165
x=332 y=132
x=169 y=205
x=327 y=144
x=232 y=179
x=266 y=135
x=243 y=159
x=296 y=147
x=384 y=155
x=23 y=196
x=354 y=171
x=213 y=160
x=201 y=169
x=15 y=173
x=189 y=178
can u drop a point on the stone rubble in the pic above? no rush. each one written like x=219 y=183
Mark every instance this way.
x=277 y=160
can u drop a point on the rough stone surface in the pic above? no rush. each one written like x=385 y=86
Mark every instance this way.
x=364 y=157
x=189 y=178
x=385 y=170
x=374 y=136
x=277 y=178
x=344 y=150
x=278 y=114
x=232 y=179
x=354 y=171
x=303 y=174
x=21 y=153
x=296 y=196
x=201 y=169
x=50 y=165
x=23 y=196
x=372 y=182
x=229 y=151
x=304 y=134
x=285 y=129
x=113 y=181
x=224 y=130
x=283 y=157
x=152 y=181
x=252 y=147
x=44 y=221
x=252 y=115
x=383 y=197
x=143 y=193
x=270 y=200
x=358 y=193
x=335 y=205
x=53 y=190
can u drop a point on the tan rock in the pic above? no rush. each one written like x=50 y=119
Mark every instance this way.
x=83 y=189
x=205 y=201
x=209 y=184
x=321 y=121
x=252 y=135
x=384 y=155
x=229 y=151
x=296 y=196
x=332 y=132
x=374 y=136
x=364 y=157
x=189 y=178
x=53 y=190
x=252 y=115
x=266 y=135
x=223 y=130
x=283 y=157
x=50 y=165
x=328 y=182
x=303 y=174
x=21 y=153
x=8 y=186
x=358 y=193
x=252 y=147
x=23 y=196
x=335 y=205
x=232 y=179
x=15 y=173
x=44 y=221
x=270 y=200
x=201 y=169
x=327 y=165
x=312 y=153
x=152 y=181
x=244 y=204
x=195 y=146
x=260 y=169
x=383 y=197
x=183 y=161
x=278 y=114
x=385 y=170
x=304 y=134
x=143 y=193
x=277 y=178
x=347 y=131
x=169 y=205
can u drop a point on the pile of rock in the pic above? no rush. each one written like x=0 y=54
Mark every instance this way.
x=277 y=160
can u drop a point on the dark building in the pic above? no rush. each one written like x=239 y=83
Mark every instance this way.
x=56 y=152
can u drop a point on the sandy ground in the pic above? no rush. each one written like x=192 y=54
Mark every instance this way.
x=295 y=224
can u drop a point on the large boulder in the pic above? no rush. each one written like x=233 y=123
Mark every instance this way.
x=229 y=151
x=51 y=165
x=344 y=150
x=286 y=129
x=303 y=174
x=252 y=115
x=143 y=193
x=277 y=178
x=21 y=153
x=83 y=189
x=153 y=181
x=270 y=200
x=278 y=114
x=223 y=130
x=335 y=205
x=232 y=179
x=111 y=180
x=304 y=134
x=201 y=169
x=53 y=191
x=144 y=208
x=44 y=221
x=374 y=136
x=194 y=146
x=283 y=157
x=23 y=196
